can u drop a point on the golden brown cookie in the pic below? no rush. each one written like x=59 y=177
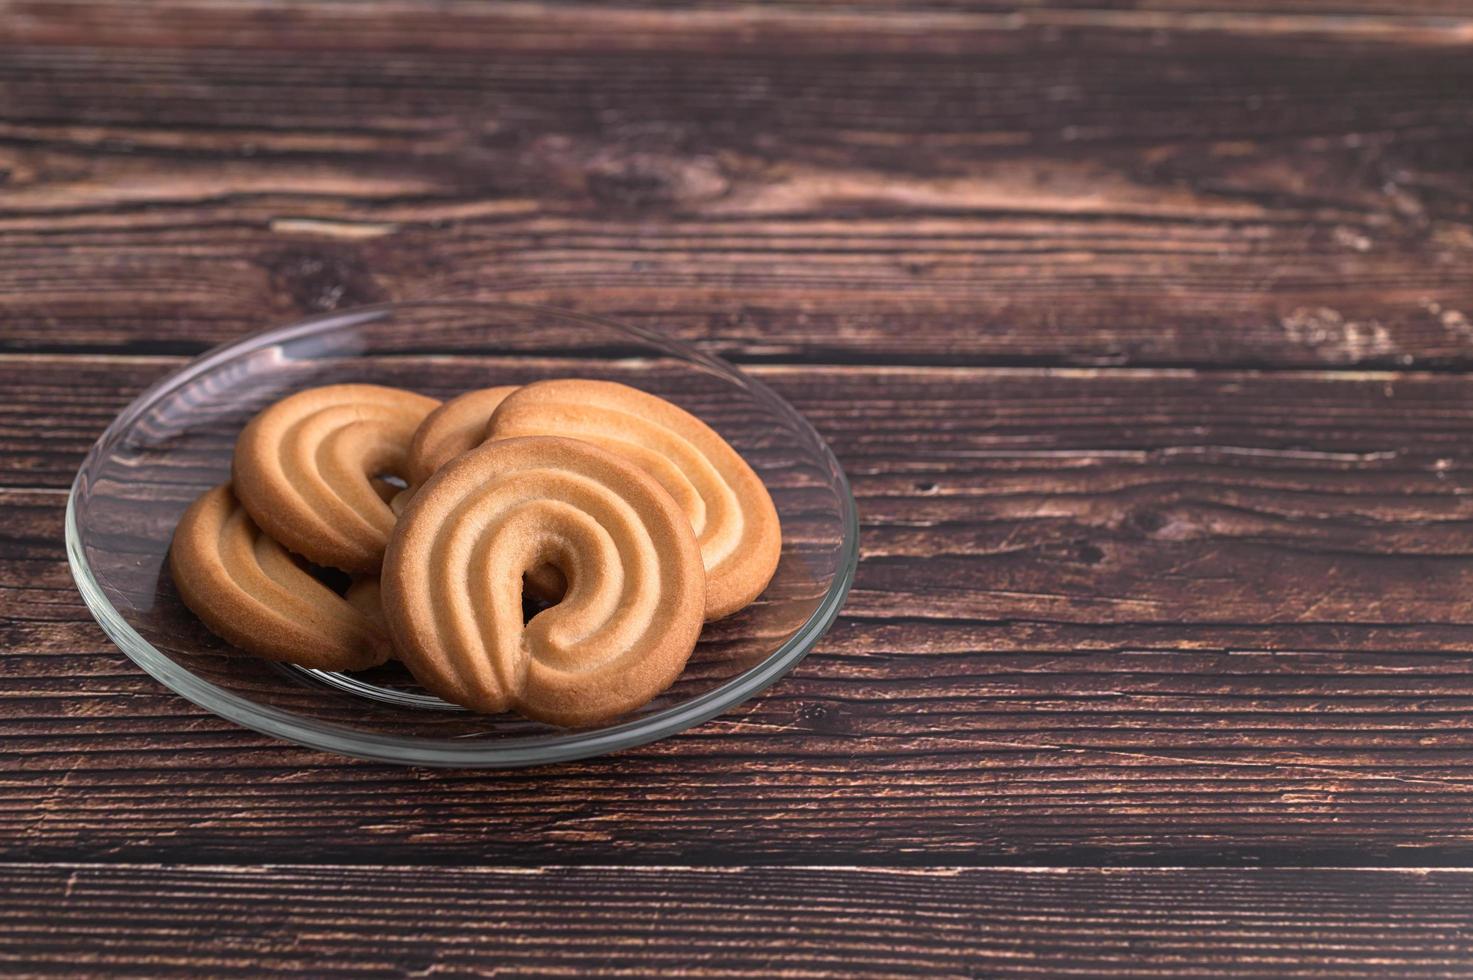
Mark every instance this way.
x=733 y=516
x=450 y=430
x=248 y=590
x=453 y=428
x=452 y=582
x=366 y=596
x=305 y=469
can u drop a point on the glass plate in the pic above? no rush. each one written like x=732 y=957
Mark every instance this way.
x=175 y=441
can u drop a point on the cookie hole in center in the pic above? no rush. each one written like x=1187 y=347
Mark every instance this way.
x=531 y=604
x=542 y=588
x=390 y=487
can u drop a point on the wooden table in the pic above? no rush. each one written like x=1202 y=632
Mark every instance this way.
x=1142 y=329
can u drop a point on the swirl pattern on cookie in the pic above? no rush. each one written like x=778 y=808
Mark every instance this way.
x=452 y=582
x=305 y=469
x=249 y=591
x=455 y=427
x=729 y=509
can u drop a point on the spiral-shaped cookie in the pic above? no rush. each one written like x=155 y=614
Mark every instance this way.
x=730 y=510
x=305 y=467
x=452 y=582
x=249 y=591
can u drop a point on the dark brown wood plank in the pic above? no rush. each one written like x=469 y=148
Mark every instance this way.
x=835 y=184
x=411 y=24
x=1140 y=326
x=1120 y=615
x=810 y=922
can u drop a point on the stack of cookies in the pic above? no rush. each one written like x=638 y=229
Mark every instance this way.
x=629 y=514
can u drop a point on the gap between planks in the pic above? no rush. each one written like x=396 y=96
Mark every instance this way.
x=1348 y=373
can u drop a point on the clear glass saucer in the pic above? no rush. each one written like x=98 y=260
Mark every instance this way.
x=175 y=440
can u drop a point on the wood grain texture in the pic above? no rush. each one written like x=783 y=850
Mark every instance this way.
x=1141 y=327
x=801 y=922
x=1123 y=615
x=802 y=184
